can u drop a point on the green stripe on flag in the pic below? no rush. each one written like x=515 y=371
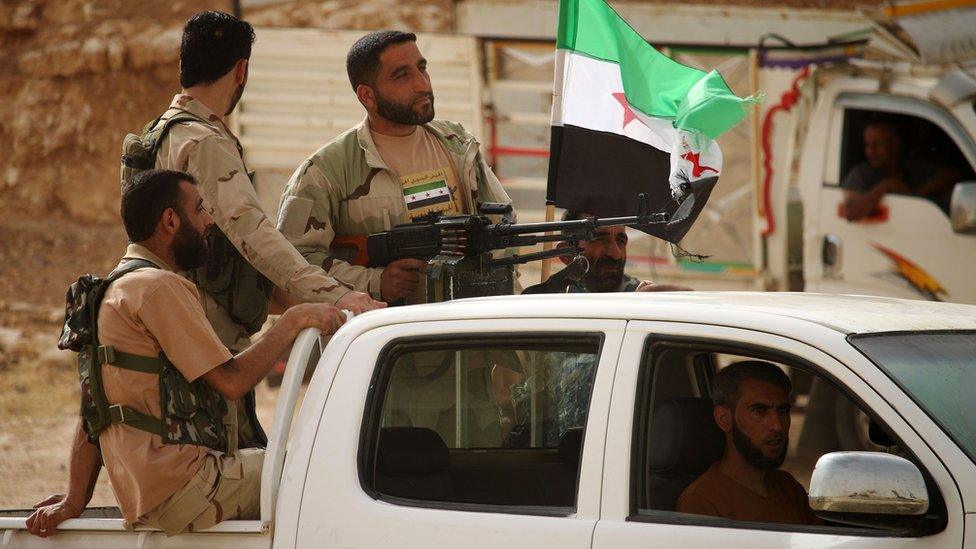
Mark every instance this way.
x=655 y=84
x=424 y=187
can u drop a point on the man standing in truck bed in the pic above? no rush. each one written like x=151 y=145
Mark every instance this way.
x=398 y=165
x=248 y=256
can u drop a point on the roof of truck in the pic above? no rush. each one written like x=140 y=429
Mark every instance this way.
x=847 y=314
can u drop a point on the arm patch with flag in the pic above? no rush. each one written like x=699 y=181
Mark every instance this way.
x=627 y=119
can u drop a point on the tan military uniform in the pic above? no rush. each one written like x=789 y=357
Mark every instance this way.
x=346 y=189
x=148 y=312
x=212 y=154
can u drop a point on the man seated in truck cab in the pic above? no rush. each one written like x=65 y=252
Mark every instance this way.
x=169 y=439
x=888 y=168
x=752 y=408
x=602 y=269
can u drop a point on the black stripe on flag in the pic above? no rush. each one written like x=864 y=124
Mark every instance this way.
x=429 y=201
x=602 y=173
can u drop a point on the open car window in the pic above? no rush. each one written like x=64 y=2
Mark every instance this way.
x=927 y=161
x=677 y=440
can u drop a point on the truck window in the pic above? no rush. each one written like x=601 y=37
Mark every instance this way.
x=912 y=155
x=679 y=442
x=494 y=421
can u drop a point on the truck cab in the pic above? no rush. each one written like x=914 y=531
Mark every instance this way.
x=910 y=246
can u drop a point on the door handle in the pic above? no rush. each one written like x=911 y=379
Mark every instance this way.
x=831 y=254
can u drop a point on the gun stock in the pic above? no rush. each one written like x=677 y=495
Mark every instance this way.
x=357 y=242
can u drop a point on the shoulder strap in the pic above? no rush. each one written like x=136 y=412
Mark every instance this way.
x=107 y=354
x=155 y=134
x=96 y=302
x=127 y=268
x=180 y=116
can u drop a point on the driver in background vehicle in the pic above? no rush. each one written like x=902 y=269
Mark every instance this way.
x=752 y=408
x=886 y=168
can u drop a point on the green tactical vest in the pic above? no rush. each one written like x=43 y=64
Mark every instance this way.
x=228 y=277
x=192 y=412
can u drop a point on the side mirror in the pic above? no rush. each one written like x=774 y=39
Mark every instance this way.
x=868 y=489
x=962 y=207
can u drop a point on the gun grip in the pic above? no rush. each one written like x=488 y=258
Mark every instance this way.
x=356 y=241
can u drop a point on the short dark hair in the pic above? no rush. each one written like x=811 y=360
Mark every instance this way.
x=212 y=43
x=147 y=196
x=728 y=381
x=363 y=59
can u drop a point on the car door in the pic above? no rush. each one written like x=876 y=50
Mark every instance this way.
x=628 y=519
x=908 y=249
x=464 y=442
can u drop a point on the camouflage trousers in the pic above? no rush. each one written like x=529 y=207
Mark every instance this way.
x=227 y=487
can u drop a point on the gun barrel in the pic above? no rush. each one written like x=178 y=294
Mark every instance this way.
x=579 y=224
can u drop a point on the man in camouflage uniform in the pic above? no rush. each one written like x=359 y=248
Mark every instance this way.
x=214 y=58
x=398 y=165
x=181 y=482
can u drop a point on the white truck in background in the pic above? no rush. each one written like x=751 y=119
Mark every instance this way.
x=911 y=248
x=917 y=70
x=405 y=438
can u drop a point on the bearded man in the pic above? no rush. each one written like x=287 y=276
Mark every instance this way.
x=606 y=256
x=752 y=408
x=398 y=165
x=173 y=468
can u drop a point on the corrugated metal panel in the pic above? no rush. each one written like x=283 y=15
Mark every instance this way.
x=298 y=96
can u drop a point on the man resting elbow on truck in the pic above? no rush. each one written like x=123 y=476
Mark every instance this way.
x=170 y=443
x=888 y=169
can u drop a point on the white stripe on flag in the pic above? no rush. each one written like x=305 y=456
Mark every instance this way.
x=440 y=191
x=587 y=100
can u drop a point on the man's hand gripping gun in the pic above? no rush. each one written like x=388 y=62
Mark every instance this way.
x=474 y=237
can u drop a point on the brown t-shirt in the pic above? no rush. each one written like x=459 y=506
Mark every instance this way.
x=717 y=495
x=146 y=312
x=426 y=173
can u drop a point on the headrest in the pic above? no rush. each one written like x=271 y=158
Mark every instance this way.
x=879 y=436
x=571 y=445
x=411 y=452
x=684 y=437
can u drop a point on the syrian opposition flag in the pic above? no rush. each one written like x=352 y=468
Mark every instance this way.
x=627 y=119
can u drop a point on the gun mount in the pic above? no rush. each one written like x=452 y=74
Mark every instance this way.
x=458 y=248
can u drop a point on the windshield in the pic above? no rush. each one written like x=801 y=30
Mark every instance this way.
x=938 y=370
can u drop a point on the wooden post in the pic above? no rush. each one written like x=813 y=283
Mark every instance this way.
x=547 y=263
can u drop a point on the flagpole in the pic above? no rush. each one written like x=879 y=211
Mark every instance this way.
x=547 y=263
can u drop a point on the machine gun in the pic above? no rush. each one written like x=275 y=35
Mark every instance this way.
x=458 y=248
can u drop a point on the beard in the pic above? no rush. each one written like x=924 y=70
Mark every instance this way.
x=189 y=247
x=754 y=454
x=605 y=275
x=236 y=99
x=405 y=114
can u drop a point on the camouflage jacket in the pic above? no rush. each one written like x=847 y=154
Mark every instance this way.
x=213 y=155
x=346 y=189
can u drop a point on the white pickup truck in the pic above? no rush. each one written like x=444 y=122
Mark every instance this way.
x=575 y=422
